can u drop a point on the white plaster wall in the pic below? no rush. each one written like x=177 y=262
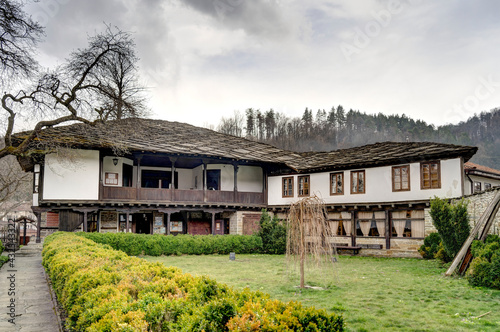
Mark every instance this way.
x=197 y=172
x=108 y=166
x=76 y=177
x=378 y=186
x=185 y=178
x=226 y=176
x=482 y=179
x=250 y=178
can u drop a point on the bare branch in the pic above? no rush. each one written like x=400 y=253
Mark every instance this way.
x=96 y=83
x=19 y=34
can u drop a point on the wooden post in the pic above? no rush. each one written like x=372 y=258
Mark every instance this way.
x=264 y=185
x=101 y=183
x=127 y=222
x=235 y=165
x=353 y=228
x=204 y=180
x=85 y=223
x=213 y=223
x=168 y=223
x=388 y=230
x=24 y=232
x=484 y=223
x=38 y=226
x=172 y=181
x=138 y=179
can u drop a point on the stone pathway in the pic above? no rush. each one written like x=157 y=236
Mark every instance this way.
x=33 y=308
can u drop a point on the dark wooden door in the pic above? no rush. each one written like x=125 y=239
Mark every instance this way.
x=199 y=228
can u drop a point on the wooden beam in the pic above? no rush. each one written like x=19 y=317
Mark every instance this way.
x=486 y=220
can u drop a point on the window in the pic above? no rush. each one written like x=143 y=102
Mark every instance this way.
x=303 y=185
x=408 y=223
x=477 y=186
x=213 y=179
x=127 y=175
x=336 y=183
x=358 y=182
x=287 y=187
x=158 y=179
x=430 y=175
x=487 y=186
x=36 y=180
x=370 y=224
x=401 y=178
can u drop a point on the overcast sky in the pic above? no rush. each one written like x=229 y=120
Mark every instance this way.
x=203 y=59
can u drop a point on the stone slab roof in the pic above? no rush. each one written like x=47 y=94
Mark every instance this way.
x=162 y=137
x=180 y=138
x=384 y=153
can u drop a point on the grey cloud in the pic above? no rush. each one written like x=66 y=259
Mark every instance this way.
x=68 y=24
x=263 y=18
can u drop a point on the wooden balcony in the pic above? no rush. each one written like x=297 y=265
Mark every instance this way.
x=192 y=196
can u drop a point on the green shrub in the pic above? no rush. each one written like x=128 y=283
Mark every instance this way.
x=103 y=289
x=183 y=244
x=492 y=238
x=3 y=260
x=452 y=223
x=429 y=249
x=485 y=267
x=273 y=234
x=2 y=248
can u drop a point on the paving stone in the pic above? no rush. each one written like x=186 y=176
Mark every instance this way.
x=33 y=300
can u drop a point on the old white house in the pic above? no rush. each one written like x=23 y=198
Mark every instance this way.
x=153 y=176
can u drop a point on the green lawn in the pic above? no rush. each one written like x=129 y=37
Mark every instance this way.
x=373 y=294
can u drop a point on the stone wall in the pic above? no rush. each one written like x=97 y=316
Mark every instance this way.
x=477 y=205
x=237 y=219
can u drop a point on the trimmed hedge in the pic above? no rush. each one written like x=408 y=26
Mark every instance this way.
x=157 y=245
x=103 y=289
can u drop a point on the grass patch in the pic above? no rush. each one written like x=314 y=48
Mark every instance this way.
x=373 y=294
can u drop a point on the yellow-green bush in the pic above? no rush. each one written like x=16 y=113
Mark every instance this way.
x=103 y=289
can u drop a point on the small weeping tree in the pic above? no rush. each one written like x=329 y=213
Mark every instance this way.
x=309 y=233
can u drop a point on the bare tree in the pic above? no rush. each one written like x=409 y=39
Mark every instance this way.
x=308 y=234
x=19 y=35
x=15 y=185
x=232 y=125
x=72 y=92
x=118 y=81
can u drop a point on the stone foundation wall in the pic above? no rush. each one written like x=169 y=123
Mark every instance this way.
x=371 y=240
x=344 y=240
x=394 y=253
x=236 y=220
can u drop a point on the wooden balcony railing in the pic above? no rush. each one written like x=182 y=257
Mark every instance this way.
x=179 y=195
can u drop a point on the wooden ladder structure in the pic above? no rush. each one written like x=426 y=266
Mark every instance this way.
x=481 y=228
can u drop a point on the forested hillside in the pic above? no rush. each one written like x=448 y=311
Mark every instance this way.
x=337 y=129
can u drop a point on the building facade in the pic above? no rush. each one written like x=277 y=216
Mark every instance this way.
x=160 y=177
